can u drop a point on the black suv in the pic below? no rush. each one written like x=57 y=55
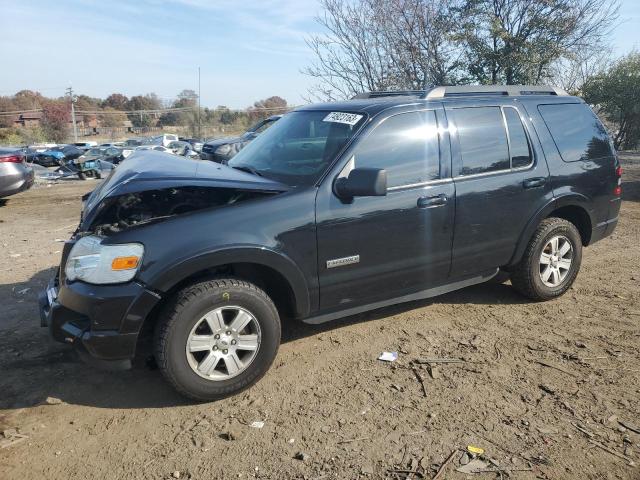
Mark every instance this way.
x=336 y=209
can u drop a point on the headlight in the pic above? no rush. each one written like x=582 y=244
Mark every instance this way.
x=92 y=262
x=223 y=149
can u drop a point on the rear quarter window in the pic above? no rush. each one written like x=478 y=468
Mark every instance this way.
x=576 y=131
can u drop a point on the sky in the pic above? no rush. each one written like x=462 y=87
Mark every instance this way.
x=246 y=49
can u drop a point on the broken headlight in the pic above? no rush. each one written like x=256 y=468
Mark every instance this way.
x=92 y=262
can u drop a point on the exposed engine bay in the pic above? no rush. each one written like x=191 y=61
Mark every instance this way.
x=139 y=208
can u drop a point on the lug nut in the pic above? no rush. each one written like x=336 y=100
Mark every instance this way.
x=233 y=342
x=225 y=351
x=215 y=347
x=228 y=333
x=216 y=336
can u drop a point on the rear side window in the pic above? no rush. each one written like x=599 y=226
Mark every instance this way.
x=483 y=140
x=406 y=146
x=518 y=142
x=576 y=131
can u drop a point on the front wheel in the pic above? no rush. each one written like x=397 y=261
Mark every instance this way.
x=550 y=262
x=216 y=338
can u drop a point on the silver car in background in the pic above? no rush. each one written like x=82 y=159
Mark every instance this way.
x=15 y=174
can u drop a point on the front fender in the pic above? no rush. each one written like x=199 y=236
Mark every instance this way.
x=255 y=254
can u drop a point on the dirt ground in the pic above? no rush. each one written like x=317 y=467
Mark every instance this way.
x=543 y=386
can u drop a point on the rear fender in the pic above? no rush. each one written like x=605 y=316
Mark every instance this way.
x=573 y=199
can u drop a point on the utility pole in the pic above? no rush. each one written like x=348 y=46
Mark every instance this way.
x=73 y=113
x=199 y=127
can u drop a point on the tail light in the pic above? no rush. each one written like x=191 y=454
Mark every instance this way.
x=12 y=159
x=618 y=190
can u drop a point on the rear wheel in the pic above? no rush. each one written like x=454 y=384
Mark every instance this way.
x=217 y=338
x=551 y=260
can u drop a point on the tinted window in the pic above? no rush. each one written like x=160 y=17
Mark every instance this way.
x=483 y=140
x=576 y=130
x=298 y=148
x=406 y=146
x=518 y=141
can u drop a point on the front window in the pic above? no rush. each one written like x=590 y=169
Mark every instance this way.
x=300 y=146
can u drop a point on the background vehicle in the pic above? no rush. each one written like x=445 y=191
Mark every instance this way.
x=337 y=209
x=196 y=143
x=157 y=148
x=112 y=144
x=85 y=145
x=15 y=175
x=30 y=154
x=184 y=149
x=163 y=140
x=109 y=154
x=53 y=156
x=222 y=150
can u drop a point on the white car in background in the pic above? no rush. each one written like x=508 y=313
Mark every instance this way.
x=165 y=139
x=158 y=148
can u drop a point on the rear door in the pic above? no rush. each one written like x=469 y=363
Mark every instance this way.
x=501 y=182
x=376 y=248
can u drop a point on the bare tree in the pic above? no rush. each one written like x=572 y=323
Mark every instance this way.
x=572 y=72
x=420 y=35
x=410 y=44
x=351 y=56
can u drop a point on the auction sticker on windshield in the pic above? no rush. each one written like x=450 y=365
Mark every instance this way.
x=343 y=117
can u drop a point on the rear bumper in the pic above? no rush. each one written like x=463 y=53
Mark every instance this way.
x=104 y=320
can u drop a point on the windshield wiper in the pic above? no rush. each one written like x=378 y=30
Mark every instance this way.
x=248 y=169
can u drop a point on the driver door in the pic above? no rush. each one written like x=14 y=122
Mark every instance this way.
x=377 y=248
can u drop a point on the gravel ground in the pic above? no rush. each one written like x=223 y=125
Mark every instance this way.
x=543 y=387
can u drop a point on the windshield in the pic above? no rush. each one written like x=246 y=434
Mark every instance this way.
x=300 y=146
x=94 y=151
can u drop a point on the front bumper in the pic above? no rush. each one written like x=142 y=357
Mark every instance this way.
x=104 y=320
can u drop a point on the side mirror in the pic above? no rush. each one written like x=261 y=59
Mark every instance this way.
x=362 y=182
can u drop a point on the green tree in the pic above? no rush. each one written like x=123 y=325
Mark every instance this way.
x=518 y=41
x=615 y=93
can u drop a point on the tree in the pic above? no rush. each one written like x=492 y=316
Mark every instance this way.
x=149 y=101
x=112 y=118
x=116 y=101
x=615 y=93
x=269 y=106
x=56 y=116
x=28 y=100
x=370 y=45
x=518 y=41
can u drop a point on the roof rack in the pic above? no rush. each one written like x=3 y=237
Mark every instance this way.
x=468 y=91
x=500 y=90
x=390 y=93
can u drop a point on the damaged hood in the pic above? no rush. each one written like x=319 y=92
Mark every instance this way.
x=151 y=170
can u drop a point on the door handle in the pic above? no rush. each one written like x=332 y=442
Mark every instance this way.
x=436 y=201
x=534 y=182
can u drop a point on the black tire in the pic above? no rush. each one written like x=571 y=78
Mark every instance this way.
x=186 y=309
x=81 y=176
x=526 y=278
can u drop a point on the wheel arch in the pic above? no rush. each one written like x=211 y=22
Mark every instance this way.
x=573 y=208
x=272 y=271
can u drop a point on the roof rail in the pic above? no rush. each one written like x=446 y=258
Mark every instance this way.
x=390 y=93
x=506 y=90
